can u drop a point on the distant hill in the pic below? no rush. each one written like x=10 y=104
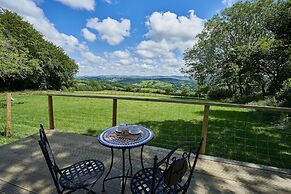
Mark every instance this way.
x=158 y=82
x=122 y=78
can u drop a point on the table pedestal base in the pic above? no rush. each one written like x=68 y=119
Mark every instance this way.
x=124 y=176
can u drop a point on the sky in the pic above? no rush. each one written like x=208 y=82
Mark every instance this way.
x=120 y=37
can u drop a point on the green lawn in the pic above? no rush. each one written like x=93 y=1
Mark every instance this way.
x=233 y=133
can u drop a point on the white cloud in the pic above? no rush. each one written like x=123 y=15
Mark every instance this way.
x=123 y=54
x=168 y=36
x=121 y=57
x=151 y=49
x=178 y=31
x=111 y=30
x=92 y=58
x=88 y=35
x=108 y=1
x=124 y=62
x=229 y=3
x=34 y=15
x=77 y=4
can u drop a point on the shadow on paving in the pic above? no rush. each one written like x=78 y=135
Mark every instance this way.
x=22 y=168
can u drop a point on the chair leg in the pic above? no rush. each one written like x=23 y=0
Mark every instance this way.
x=129 y=158
x=112 y=157
x=72 y=191
x=89 y=190
x=141 y=158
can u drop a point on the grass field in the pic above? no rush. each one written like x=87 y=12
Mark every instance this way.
x=233 y=133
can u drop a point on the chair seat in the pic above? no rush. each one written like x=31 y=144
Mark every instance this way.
x=141 y=182
x=81 y=174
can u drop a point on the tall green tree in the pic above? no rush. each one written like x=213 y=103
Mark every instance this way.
x=16 y=64
x=27 y=60
x=245 y=48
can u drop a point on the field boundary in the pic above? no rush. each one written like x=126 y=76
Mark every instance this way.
x=205 y=112
x=221 y=104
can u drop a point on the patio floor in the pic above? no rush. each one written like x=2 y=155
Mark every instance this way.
x=23 y=169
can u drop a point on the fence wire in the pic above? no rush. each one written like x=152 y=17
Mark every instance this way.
x=2 y=114
x=252 y=136
x=234 y=133
x=171 y=123
x=82 y=115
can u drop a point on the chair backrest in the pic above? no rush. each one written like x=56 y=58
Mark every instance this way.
x=49 y=157
x=176 y=165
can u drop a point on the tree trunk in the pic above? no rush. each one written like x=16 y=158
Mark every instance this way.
x=263 y=89
x=241 y=91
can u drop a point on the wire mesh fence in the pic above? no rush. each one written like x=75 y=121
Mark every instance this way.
x=253 y=136
x=260 y=137
x=82 y=115
x=171 y=123
x=27 y=112
x=2 y=113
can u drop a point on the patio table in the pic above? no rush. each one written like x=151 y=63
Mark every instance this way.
x=110 y=138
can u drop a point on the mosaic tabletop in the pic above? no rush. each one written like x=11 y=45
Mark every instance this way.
x=111 y=138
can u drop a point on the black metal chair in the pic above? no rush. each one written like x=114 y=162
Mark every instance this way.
x=170 y=175
x=81 y=175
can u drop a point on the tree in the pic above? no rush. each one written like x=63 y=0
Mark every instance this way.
x=16 y=64
x=95 y=85
x=168 y=89
x=240 y=51
x=185 y=91
x=27 y=60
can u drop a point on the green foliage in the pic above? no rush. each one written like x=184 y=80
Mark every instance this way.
x=27 y=60
x=95 y=85
x=185 y=91
x=284 y=95
x=217 y=93
x=246 y=49
x=129 y=88
x=165 y=85
x=168 y=89
x=268 y=101
x=201 y=91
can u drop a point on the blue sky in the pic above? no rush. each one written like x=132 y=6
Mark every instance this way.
x=120 y=37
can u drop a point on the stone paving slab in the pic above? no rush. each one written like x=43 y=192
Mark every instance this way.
x=23 y=169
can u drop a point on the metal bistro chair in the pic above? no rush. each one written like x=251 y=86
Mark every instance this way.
x=81 y=175
x=170 y=175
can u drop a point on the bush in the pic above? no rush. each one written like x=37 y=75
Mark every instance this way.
x=145 y=90
x=64 y=89
x=218 y=93
x=168 y=89
x=284 y=95
x=83 y=87
x=129 y=88
x=268 y=101
x=94 y=85
x=201 y=91
x=185 y=91
x=248 y=99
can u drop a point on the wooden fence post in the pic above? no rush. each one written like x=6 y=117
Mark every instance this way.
x=114 y=112
x=204 y=128
x=51 y=112
x=8 y=115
